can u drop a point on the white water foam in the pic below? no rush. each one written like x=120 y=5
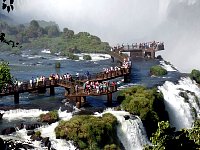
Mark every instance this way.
x=167 y=66
x=46 y=51
x=21 y=113
x=180 y=110
x=94 y=56
x=130 y=132
x=46 y=131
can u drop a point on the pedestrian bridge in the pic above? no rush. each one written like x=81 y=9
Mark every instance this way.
x=78 y=95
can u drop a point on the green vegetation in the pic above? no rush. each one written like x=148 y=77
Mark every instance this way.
x=41 y=35
x=195 y=75
x=50 y=117
x=38 y=133
x=5 y=76
x=90 y=132
x=167 y=138
x=148 y=104
x=87 y=57
x=158 y=70
x=57 y=65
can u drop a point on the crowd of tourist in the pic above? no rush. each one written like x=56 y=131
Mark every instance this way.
x=99 y=87
x=146 y=45
x=88 y=86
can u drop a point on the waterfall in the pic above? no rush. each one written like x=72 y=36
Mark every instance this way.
x=130 y=132
x=46 y=130
x=181 y=102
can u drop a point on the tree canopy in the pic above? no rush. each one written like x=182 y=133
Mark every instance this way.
x=148 y=104
x=5 y=76
x=89 y=132
x=167 y=138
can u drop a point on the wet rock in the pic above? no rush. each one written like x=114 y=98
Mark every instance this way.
x=46 y=142
x=20 y=126
x=48 y=118
x=8 y=130
x=31 y=132
x=2 y=144
x=35 y=138
x=127 y=117
x=1 y=115
x=32 y=126
x=133 y=117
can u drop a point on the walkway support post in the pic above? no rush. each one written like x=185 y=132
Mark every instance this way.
x=126 y=78
x=52 y=90
x=112 y=58
x=109 y=99
x=67 y=91
x=78 y=102
x=16 y=98
x=83 y=99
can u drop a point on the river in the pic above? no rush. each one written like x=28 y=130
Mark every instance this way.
x=33 y=63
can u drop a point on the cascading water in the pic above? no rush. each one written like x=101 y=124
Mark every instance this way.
x=130 y=132
x=181 y=102
x=46 y=130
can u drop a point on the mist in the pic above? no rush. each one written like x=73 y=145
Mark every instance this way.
x=175 y=22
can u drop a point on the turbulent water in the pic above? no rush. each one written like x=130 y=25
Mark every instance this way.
x=130 y=132
x=183 y=110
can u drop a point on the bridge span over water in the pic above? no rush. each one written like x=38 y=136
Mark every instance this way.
x=74 y=88
x=79 y=95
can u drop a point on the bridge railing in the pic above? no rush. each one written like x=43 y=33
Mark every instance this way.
x=93 y=91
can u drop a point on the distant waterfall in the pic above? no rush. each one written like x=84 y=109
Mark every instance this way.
x=130 y=132
x=181 y=102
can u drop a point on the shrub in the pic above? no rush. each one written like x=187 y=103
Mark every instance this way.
x=89 y=132
x=38 y=133
x=158 y=71
x=87 y=57
x=57 y=65
x=195 y=75
x=72 y=56
x=50 y=117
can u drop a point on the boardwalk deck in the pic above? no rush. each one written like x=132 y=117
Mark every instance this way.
x=70 y=85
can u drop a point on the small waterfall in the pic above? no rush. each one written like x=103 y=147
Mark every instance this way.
x=21 y=113
x=181 y=102
x=46 y=130
x=167 y=66
x=130 y=132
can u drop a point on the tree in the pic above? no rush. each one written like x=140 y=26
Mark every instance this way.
x=167 y=138
x=5 y=76
x=52 y=31
x=68 y=33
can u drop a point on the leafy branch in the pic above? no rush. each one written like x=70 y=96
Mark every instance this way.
x=2 y=39
x=8 y=7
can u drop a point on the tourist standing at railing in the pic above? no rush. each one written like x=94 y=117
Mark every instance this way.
x=31 y=82
x=77 y=76
x=76 y=88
